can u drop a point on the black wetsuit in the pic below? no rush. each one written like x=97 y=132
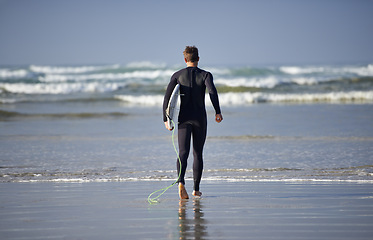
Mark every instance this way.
x=192 y=119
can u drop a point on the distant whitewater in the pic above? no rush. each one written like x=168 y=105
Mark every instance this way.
x=143 y=84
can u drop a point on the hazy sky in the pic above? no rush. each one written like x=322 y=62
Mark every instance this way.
x=226 y=32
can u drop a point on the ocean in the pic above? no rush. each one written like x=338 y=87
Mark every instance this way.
x=143 y=83
x=103 y=123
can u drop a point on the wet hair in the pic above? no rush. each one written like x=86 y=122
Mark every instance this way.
x=191 y=53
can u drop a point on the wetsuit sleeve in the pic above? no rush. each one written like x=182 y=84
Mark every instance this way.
x=213 y=93
x=167 y=96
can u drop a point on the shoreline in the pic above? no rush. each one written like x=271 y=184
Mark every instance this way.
x=207 y=180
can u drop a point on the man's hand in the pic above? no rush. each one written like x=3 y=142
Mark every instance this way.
x=218 y=118
x=168 y=127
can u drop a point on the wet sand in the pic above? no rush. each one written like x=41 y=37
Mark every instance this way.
x=238 y=210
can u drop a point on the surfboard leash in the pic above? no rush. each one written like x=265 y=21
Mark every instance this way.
x=163 y=190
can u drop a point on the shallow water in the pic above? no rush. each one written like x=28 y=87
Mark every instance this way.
x=316 y=142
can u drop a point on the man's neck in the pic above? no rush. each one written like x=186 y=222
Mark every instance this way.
x=192 y=64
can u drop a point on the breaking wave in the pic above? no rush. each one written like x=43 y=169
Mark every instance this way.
x=68 y=70
x=144 y=83
x=231 y=99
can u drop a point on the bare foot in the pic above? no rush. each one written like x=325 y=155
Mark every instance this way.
x=182 y=192
x=197 y=193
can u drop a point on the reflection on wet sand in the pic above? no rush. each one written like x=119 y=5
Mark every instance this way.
x=192 y=227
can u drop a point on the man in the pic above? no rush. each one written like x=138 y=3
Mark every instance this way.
x=192 y=119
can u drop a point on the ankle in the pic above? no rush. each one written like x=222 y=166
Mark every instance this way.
x=197 y=193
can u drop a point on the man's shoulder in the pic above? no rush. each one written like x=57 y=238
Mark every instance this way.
x=177 y=73
x=204 y=72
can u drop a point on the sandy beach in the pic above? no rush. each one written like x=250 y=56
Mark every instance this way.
x=250 y=210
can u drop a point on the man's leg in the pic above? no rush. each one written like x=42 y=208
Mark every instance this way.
x=184 y=137
x=199 y=138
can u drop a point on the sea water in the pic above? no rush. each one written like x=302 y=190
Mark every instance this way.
x=104 y=123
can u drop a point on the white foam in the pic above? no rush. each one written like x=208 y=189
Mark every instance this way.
x=20 y=73
x=265 y=82
x=226 y=99
x=229 y=179
x=232 y=99
x=295 y=70
x=305 y=81
x=207 y=179
x=247 y=98
x=97 y=180
x=60 y=88
x=63 y=70
x=339 y=71
x=364 y=71
x=107 y=76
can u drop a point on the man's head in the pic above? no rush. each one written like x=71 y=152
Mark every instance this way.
x=191 y=54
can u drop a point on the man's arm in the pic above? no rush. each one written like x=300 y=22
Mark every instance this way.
x=166 y=99
x=214 y=97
